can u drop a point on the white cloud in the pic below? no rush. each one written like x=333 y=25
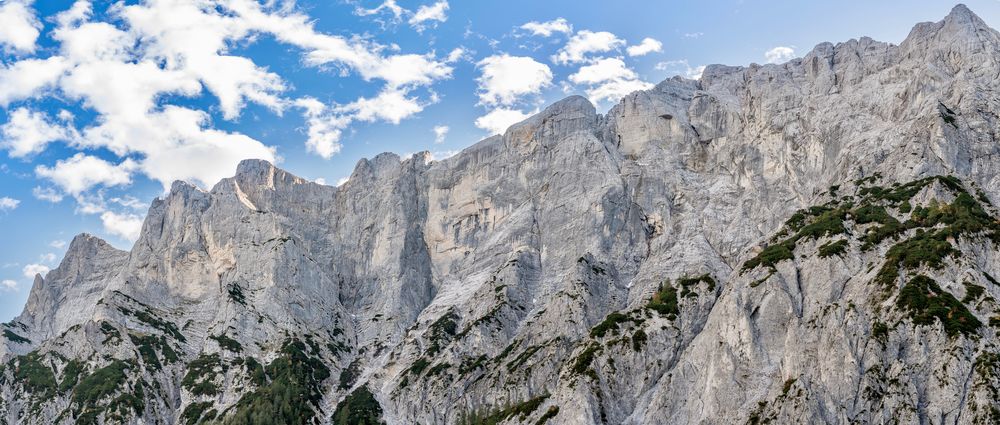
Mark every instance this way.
x=602 y=70
x=58 y=244
x=8 y=204
x=608 y=79
x=390 y=6
x=125 y=226
x=504 y=78
x=440 y=132
x=497 y=120
x=47 y=194
x=546 y=29
x=28 y=132
x=436 y=12
x=320 y=180
x=129 y=201
x=29 y=77
x=779 y=54
x=8 y=285
x=341 y=181
x=391 y=105
x=82 y=172
x=648 y=45
x=19 y=28
x=47 y=258
x=31 y=270
x=681 y=67
x=693 y=34
x=585 y=42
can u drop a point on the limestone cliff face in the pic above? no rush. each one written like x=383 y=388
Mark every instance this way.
x=807 y=242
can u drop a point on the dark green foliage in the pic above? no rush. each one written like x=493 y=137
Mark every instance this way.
x=830 y=249
x=201 y=375
x=928 y=248
x=227 y=343
x=664 y=301
x=972 y=292
x=771 y=256
x=418 y=366
x=581 y=366
x=236 y=294
x=349 y=375
x=15 y=338
x=441 y=331
x=193 y=412
x=523 y=357
x=36 y=376
x=295 y=387
x=70 y=375
x=787 y=386
x=610 y=323
x=880 y=331
x=255 y=371
x=549 y=414
x=991 y=279
x=638 y=340
x=146 y=317
x=470 y=365
x=890 y=227
x=686 y=283
x=149 y=345
x=99 y=386
x=359 y=408
x=521 y=411
x=110 y=333
x=925 y=301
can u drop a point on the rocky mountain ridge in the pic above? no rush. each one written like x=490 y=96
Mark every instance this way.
x=808 y=242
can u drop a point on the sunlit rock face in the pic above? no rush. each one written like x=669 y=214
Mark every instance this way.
x=807 y=242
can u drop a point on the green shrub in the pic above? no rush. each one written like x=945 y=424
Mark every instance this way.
x=359 y=408
x=830 y=249
x=227 y=343
x=664 y=301
x=926 y=301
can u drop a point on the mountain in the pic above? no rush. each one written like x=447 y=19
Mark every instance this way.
x=807 y=242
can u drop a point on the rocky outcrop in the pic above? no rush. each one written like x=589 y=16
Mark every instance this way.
x=807 y=242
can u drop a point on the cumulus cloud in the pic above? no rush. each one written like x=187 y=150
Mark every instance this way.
x=498 y=120
x=426 y=14
x=681 y=67
x=546 y=29
x=47 y=194
x=779 y=54
x=504 y=78
x=58 y=244
x=647 y=46
x=19 y=28
x=8 y=204
x=128 y=68
x=440 y=132
x=608 y=79
x=82 y=172
x=28 y=132
x=585 y=42
x=125 y=226
x=693 y=34
x=390 y=6
x=8 y=285
x=31 y=270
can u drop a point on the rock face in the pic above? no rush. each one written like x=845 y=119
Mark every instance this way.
x=807 y=242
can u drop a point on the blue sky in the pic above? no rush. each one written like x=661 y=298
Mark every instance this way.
x=103 y=104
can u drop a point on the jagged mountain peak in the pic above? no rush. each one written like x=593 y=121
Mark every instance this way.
x=754 y=229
